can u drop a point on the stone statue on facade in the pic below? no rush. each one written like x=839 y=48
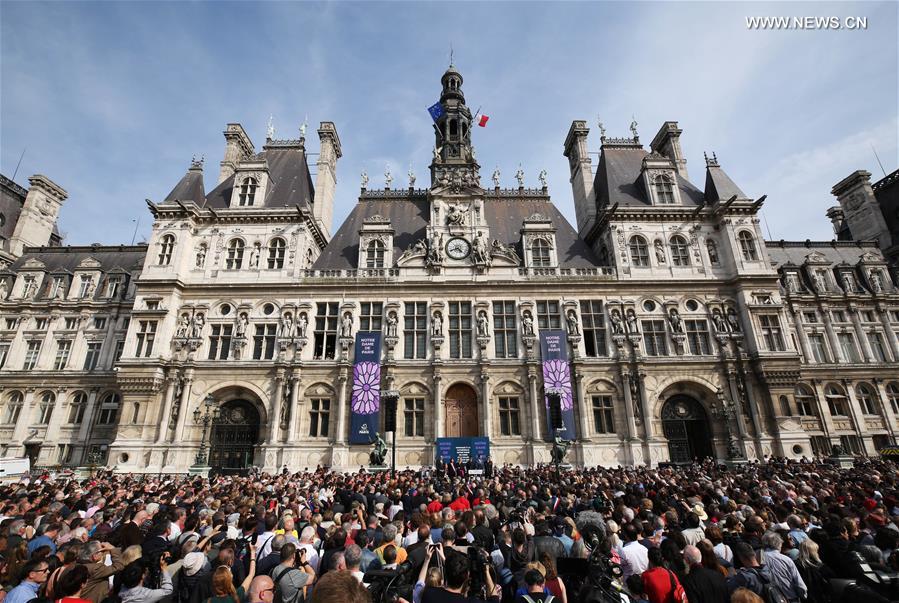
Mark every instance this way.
x=435 y=249
x=519 y=175
x=876 y=282
x=848 y=282
x=712 y=248
x=378 y=452
x=483 y=324
x=60 y=292
x=346 y=326
x=364 y=179
x=437 y=325
x=719 y=321
x=617 y=325
x=254 y=254
x=196 y=325
x=676 y=322
x=411 y=178
x=820 y=283
x=574 y=328
x=437 y=153
x=455 y=216
x=633 y=127
x=632 y=326
x=183 y=327
x=542 y=178
x=792 y=286
x=201 y=256
x=481 y=254
x=392 y=324
x=527 y=325
x=559 y=450
x=4 y=288
x=660 y=251
x=287 y=325
x=388 y=177
x=302 y=324
x=241 y=325
x=495 y=177
x=733 y=320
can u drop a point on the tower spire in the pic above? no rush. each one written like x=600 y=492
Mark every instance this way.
x=452 y=149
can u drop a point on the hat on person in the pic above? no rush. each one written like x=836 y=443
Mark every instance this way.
x=700 y=511
x=193 y=563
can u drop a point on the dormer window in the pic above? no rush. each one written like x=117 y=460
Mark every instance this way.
x=114 y=287
x=747 y=246
x=540 y=256
x=247 y=192
x=374 y=254
x=166 y=247
x=234 y=261
x=680 y=251
x=276 y=248
x=664 y=190
x=639 y=251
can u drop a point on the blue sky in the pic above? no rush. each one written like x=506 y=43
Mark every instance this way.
x=111 y=100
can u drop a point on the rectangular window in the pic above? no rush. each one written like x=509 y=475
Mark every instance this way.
x=125 y=323
x=460 y=329
x=415 y=326
x=852 y=444
x=119 y=349
x=819 y=348
x=93 y=355
x=32 y=354
x=371 y=316
x=146 y=336
x=64 y=456
x=114 y=287
x=603 y=415
x=810 y=317
x=12 y=324
x=878 y=348
x=264 y=341
x=414 y=415
x=505 y=331
x=319 y=417
x=805 y=405
x=654 y=338
x=86 y=283
x=593 y=321
x=100 y=322
x=771 y=333
x=29 y=286
x=868 y=316
x=548 y=315
x=848 y=347
x=509 y=416
x=895 y=315
x=839 y=316
x=4 y=352
x=820 y=446
x=153 y=304
x=57 y=287
x=41 y=323
x=698 y=337
x=220 y=342
x=325 y=330
x=63 y=349
x=71 y=323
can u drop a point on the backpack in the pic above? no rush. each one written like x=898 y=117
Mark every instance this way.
x=678 y=594
x=771 y=593
x=548 y=599
x=279 y=595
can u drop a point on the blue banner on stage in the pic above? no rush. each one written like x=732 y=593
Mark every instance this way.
x=557 y=375
x=365 y=402
x=462 y=449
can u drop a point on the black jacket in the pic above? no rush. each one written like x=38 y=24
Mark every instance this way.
x=704 y=585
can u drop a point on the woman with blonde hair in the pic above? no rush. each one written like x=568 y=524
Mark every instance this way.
x=814 y=573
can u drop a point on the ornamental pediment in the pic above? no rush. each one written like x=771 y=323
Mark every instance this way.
x=33 y=264
x=89 y=263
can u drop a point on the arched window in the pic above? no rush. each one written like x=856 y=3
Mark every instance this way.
x=76 y=408
x=276 y=248
x=747 y=246
x=664 y=190
x=680 y=251
x=785 y=406
x=836 y=400
x=540 y=254
x=639 y=251
x=13 y=407
x=866 y=398
x=235 y=254
x=166 y=247
x=109 y=409
x=805 y=400
x=893 y=396
x=48 y=399
x=247 y=192
x=712 y=248
x=374 y=254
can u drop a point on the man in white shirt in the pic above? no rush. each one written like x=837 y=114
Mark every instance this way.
x=264 y=541
x=307 y=542
x=634 y=556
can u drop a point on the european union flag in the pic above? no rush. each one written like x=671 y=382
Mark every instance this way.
x=436 y=110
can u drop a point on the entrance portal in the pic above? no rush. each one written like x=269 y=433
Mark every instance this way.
x=234 y=437
x=686 y=425
x=461 y=403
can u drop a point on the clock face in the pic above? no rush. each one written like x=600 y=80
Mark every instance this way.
x=458 y=248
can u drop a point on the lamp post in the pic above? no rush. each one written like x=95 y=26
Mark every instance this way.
x=389 y=398
x=209 y=415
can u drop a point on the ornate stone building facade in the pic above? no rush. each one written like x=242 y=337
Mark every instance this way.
x=688 y=333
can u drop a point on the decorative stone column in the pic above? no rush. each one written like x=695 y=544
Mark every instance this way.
x=487 y=425
x=438 y=406
x=858 y=417
x=340 y=437
x=87 y=420
x=294 y=408
x=861 y=334
x=536 y=406
x=274 y=414
x=166 y=410
x=183 y=409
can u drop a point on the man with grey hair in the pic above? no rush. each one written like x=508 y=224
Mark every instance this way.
x=265 y=565
x=352 y=556
x=703 y=585
x=93 y=557
x=307 y=542
x=781 y=568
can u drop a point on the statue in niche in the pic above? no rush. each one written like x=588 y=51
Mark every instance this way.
x=483 y=324
x=527 y=324
x=243 y=322
x=712 y=248
x=574 y=328
x=346 y=327
x=437 y=325
x=183 y=327
x=676 y=322
x=4 y=288
x=302 y=324
x=392 y=324
x=287 y=325
x=719 y=321
x=455 y=216
x=876 y=282
x=197 y=324
x=201 y=255
x=632 y=322
x=254 y=255
x=660 y=251
x=481 y=255
x=617 y=324
x=820 y=282
x=792 y=285
x=848 y=282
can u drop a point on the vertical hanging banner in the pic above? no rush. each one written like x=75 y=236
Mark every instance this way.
x=365 y=402
x=557 y=375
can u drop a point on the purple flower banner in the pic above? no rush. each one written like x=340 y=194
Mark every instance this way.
x=557 y=378
x=365 y=401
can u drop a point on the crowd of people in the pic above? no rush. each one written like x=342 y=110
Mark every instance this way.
x=766 y=532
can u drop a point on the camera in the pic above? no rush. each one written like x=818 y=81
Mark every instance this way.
x=478 y=561
x=387 y=586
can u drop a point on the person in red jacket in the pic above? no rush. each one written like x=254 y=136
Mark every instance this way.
x=659 y=582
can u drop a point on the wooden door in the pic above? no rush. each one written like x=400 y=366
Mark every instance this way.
x=461 y=404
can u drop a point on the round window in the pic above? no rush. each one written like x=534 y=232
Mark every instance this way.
x=649 y=305
x=225 y=309
x=123 y=458
x=692 y=305
x=268 y=309
x=797 y=448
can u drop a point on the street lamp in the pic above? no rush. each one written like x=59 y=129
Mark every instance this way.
x=390 y=397
x=208 y=416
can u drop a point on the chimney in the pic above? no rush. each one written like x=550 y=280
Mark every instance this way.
x=326 y=176
x=238 y=147
x=667 y=143
x=863 y=214
x=579 y=165
x=838 y=220
x=40 y=211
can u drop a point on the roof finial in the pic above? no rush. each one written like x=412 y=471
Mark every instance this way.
x=634 y=127
x=710 y=161
x=303 y=127
x=270 y=131
x=601 y=126
x=196 y=164
x=388 y=177
x=411 y=176
x=451 y=54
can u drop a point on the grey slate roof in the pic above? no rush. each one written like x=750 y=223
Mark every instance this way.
x=837 y=252
x=190 y=187
x=66 y=259
x=618 y=180
x=409 y=219
x=719 y=186
x=290 y=182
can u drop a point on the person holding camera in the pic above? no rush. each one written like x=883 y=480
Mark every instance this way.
x=457 y=575
x=293 y=575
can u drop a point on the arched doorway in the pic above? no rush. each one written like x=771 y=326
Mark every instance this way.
x=461 y=403
x=686 y=425
x=234 y=437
